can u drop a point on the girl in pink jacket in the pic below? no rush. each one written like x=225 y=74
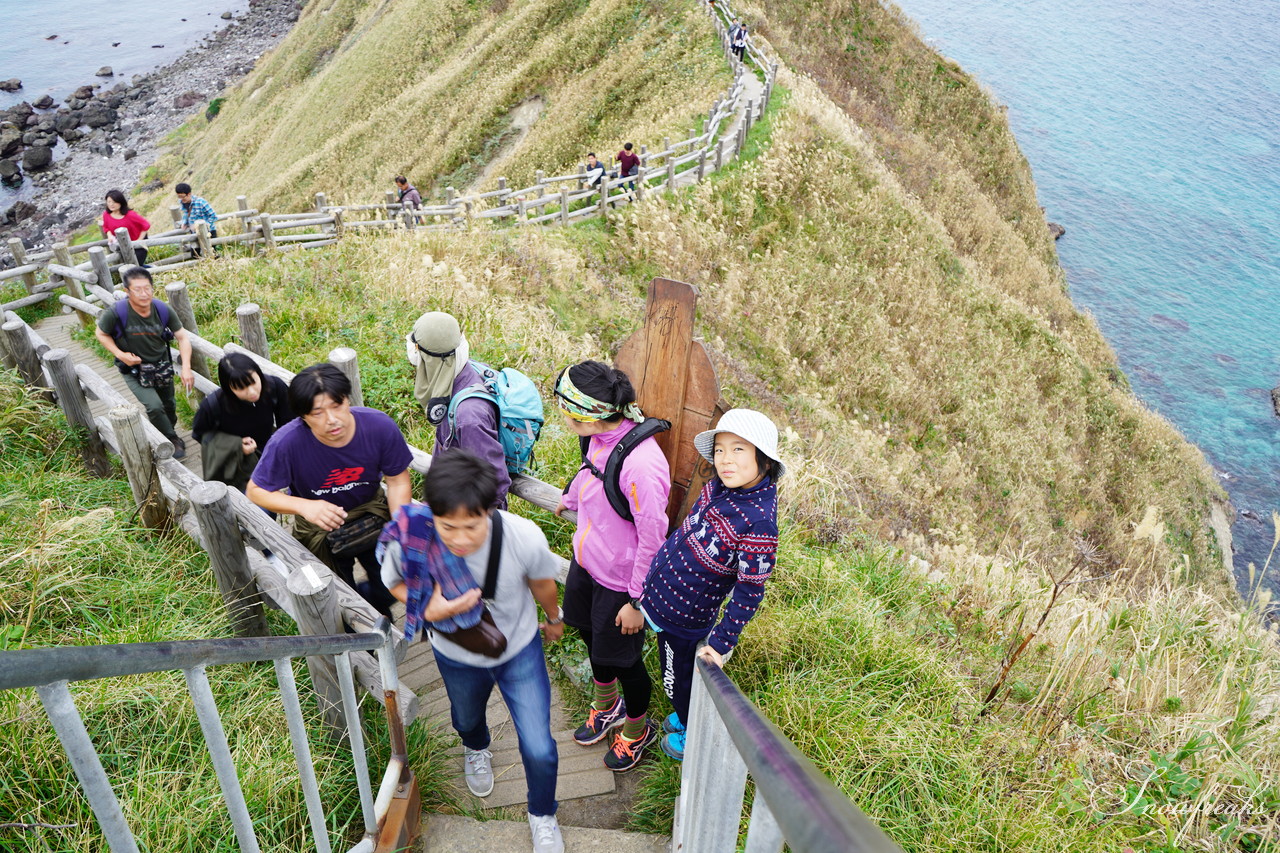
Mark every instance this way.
x=611 y=554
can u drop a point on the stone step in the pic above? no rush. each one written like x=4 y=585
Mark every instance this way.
x=455 y=834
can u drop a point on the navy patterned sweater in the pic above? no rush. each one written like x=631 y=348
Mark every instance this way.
x=729 y=543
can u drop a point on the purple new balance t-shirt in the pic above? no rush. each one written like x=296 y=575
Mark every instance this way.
x=347 y=476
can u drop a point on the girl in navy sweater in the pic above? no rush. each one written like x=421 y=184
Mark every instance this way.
x=726 y=548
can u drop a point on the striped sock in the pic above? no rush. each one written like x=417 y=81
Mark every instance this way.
x=634 y=727
x=606 y=694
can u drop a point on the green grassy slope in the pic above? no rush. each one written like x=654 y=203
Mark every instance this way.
x=363 y=90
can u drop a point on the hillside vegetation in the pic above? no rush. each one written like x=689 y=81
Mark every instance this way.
x=874 y=273
x=363 y=90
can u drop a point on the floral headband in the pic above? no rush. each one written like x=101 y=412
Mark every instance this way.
x=584 y=408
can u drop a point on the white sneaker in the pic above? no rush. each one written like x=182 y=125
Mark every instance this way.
x=479 y=771
x=546 y=834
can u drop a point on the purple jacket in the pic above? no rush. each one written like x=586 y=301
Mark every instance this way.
x=477 y=430
x=614 y=552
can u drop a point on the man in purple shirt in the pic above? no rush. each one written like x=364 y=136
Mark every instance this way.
x=442 y=369
x=333 y=460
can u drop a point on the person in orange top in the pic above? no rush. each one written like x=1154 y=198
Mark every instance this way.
x=118 y=215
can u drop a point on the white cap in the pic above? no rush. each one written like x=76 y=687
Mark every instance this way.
x=754 y=426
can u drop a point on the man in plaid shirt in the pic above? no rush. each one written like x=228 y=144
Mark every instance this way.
x=194 y=209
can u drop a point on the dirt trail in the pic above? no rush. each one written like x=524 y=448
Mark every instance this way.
x=522 y=118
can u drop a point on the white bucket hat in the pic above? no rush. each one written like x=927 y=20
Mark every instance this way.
x=754 y=426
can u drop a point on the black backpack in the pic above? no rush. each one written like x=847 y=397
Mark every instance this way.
x=611 y=476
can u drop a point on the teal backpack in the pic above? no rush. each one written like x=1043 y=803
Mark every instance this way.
x=520 y=415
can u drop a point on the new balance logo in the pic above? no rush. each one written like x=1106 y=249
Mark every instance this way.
x=342 y=476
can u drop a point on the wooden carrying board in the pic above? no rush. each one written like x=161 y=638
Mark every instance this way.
x=674 y=380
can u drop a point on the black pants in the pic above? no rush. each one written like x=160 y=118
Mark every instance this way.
x=677 y=655
x=592 y=608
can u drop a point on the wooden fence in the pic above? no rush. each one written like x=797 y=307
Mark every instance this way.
x=555 y=200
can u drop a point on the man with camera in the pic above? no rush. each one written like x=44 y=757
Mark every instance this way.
x=137 y=330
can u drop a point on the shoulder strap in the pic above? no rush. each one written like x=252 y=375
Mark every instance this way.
x=613 y=465
x=121 y=307
x=495 y=556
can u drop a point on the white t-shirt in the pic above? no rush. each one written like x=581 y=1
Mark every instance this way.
x=525 y=557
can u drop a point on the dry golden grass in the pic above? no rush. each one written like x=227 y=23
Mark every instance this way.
x=362 y=91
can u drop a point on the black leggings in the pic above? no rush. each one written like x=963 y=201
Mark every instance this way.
x=637 y=687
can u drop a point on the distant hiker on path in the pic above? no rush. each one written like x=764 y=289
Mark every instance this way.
x=440 y=357
x=436 y=559
x=738 y=41
x=621 y=524
x=333 y=460
x=118 y=215
x=628 y=164
x=408 y=193
x=235 y=422
x=595 y=170
x=195 y=209
x=726 y=547
x=137 y=330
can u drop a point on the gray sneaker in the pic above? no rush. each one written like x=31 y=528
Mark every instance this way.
x=546 y=834
x=479 y=771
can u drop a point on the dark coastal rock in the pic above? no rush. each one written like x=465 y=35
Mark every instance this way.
x=1171 y=323
x=44 y=103
x=36 y=159
x=10 y=174
x=105 y=71
x=1275 y=400
x=113 y=100
x=30 y=137
x=226 y=16
x=13 y=84
x=44 y=140
x=10 y=142
x=129 y=154
x=1056 y=230
x=187 y=100
x=84 y=93
x=1251 y=515
x=103 y=148
x=19 y=211
x=75 y=104
x=72 y=135
x=151 y=186
x=32 y=121
x=66 y=121
x=99 y=115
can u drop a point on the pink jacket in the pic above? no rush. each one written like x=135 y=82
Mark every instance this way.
x=614 y=552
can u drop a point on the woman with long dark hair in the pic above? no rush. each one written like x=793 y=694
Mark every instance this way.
x=119 y=215
x=235 y=422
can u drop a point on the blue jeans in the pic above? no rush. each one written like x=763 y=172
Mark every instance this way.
x=527 y=691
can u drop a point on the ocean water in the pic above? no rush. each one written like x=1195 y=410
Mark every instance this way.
x=91 y=34
x=1151 y=128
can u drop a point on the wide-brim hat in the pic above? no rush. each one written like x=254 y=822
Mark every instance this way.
x=754 y=426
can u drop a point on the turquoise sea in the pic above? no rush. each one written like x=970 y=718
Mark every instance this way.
x=1151 y=128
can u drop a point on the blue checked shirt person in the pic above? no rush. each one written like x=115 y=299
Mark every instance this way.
x=195 y=209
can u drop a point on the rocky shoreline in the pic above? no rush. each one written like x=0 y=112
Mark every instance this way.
x=103 y=136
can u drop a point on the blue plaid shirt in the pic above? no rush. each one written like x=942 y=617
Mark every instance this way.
x=198 y=209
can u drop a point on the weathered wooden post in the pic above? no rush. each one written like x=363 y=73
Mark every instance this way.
x=62 y=256
x=702 y=165
x=98 y=258
x=19 y=253
x=749 y=116
x=321 y=203
x=391 y=201
x=76 y=408
x=23 y=353
x=449 y=195
x=541 y=180
x=268 y=232
x=337 y=223
x=221 y=534
x=719 y=154
x=564 y=205
x=316 y=612
x=175 y=213
x=604 y=193
x=242 y=205
x=409 y=218
x=139 y=465
x=671 y=174
x=202 y=239
x=502 y=188
x=521 y=213
x=582 y=175
x=179 y=300
x=741 y=138
x=675 y=380
x=641 y=175
x=128 y=258
x=468 y=208
x=253 y=334
x=346 y=360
